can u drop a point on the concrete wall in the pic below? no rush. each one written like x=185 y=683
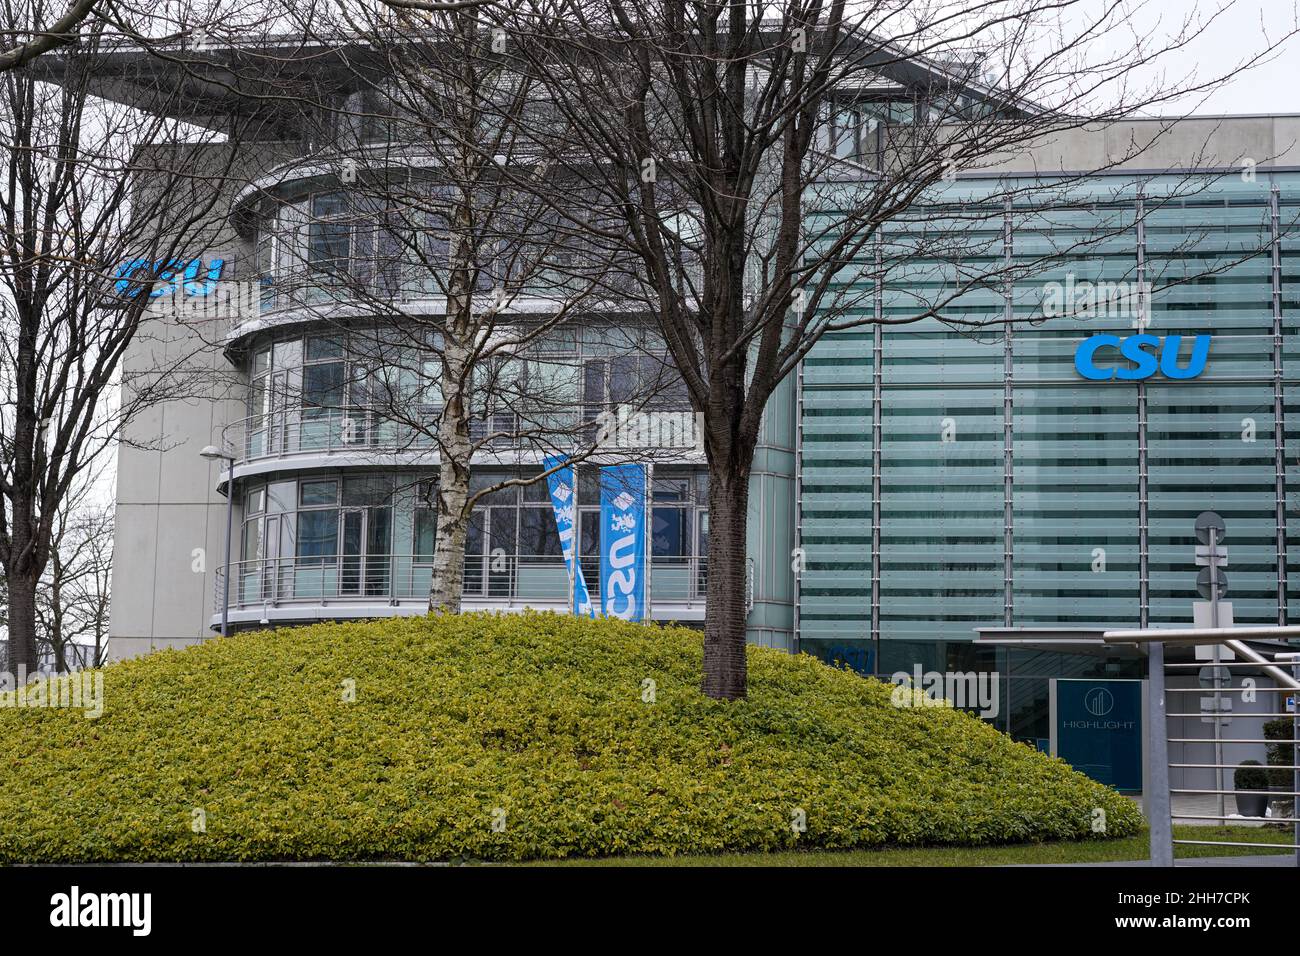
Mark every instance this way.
x=170 y=529
x=169 y=534
x=1160 y=145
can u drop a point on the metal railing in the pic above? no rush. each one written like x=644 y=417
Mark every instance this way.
x=364 y=285
x=311 y=431
x=1160 y=810
x=392 y=579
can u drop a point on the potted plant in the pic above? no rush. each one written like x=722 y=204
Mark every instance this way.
x=1251 y=783
x=1281 y=754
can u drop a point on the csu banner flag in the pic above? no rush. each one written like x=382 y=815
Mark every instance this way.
x=623 y=541
x=562 y=487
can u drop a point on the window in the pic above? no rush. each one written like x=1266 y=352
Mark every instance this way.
x=537 y=533
x=322 y=385
x=281 y=496
x=633 y=380
x=426 y=526
x=670 y=533
x=320 y=349
x=537 y=491
x=319 y=493
x=252 y=540
x=329 y=234
x=374 y=491
x=318 y=536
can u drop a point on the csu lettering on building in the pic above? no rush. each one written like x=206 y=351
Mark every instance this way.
x=1147 y=353
x=167 y=273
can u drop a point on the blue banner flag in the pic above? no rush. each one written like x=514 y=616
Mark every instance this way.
x=562 y=487
x=623 y=541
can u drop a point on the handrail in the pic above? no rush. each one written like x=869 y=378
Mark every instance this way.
x=1230 y=637
x=392 y=578
x=298 y=430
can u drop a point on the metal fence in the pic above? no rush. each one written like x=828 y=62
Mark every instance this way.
x=1283 y=668
x=397 y=578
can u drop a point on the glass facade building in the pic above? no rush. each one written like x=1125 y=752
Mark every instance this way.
x=954 y=477
x=916 y=480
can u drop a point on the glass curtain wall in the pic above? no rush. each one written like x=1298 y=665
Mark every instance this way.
x=1009 y=486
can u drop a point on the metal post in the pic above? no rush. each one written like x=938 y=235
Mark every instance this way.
x=1160 y=818
x=1008 y=425
x=648 y=518
x=877 y=431
x=1218 y=659
x=577 y=541
x=1295 y=754
x=1144 y=543
x=1279 y=408
x=230 y=523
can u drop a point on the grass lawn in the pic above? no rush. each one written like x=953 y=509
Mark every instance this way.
x=1098 y=851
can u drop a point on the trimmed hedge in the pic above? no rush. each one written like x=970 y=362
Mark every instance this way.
x=508 y=737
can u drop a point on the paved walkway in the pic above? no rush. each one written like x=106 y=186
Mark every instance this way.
x=1207 y=805
x=1200 y=861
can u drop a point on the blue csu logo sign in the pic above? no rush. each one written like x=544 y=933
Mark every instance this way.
x=170 y=273
x=1147 y=353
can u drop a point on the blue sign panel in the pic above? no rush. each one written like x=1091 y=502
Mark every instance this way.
x=1146 y=352
x=561 y=485
x=1099 y=730
x=169 y=272
x=623 y=541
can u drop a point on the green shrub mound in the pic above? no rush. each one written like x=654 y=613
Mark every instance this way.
x=510 y=737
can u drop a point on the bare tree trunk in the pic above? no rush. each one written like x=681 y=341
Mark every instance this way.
x=22 y=622
x=725 y=620
x=454 y=452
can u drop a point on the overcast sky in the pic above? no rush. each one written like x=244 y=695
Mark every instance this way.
x=1248 y=27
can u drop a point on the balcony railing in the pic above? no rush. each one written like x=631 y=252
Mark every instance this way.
x=395 y=579
x=362 y=288
x=312 y=431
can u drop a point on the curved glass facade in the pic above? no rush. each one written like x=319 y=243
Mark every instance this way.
x=363 y=538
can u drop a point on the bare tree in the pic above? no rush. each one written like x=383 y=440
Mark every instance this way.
x=73 y=599
x=99 y=203
x=752 y=173
x=457 y=282
x=35 y=27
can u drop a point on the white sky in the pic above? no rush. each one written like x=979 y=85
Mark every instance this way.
x=1245 y=29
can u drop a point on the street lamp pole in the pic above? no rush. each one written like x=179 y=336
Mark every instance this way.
x=213 y=453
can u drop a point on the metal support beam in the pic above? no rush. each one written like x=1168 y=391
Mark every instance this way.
x=1008 y=423
x=1279 y=407
x=877 y=433
x=1159 y=815
x=1144 y=544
